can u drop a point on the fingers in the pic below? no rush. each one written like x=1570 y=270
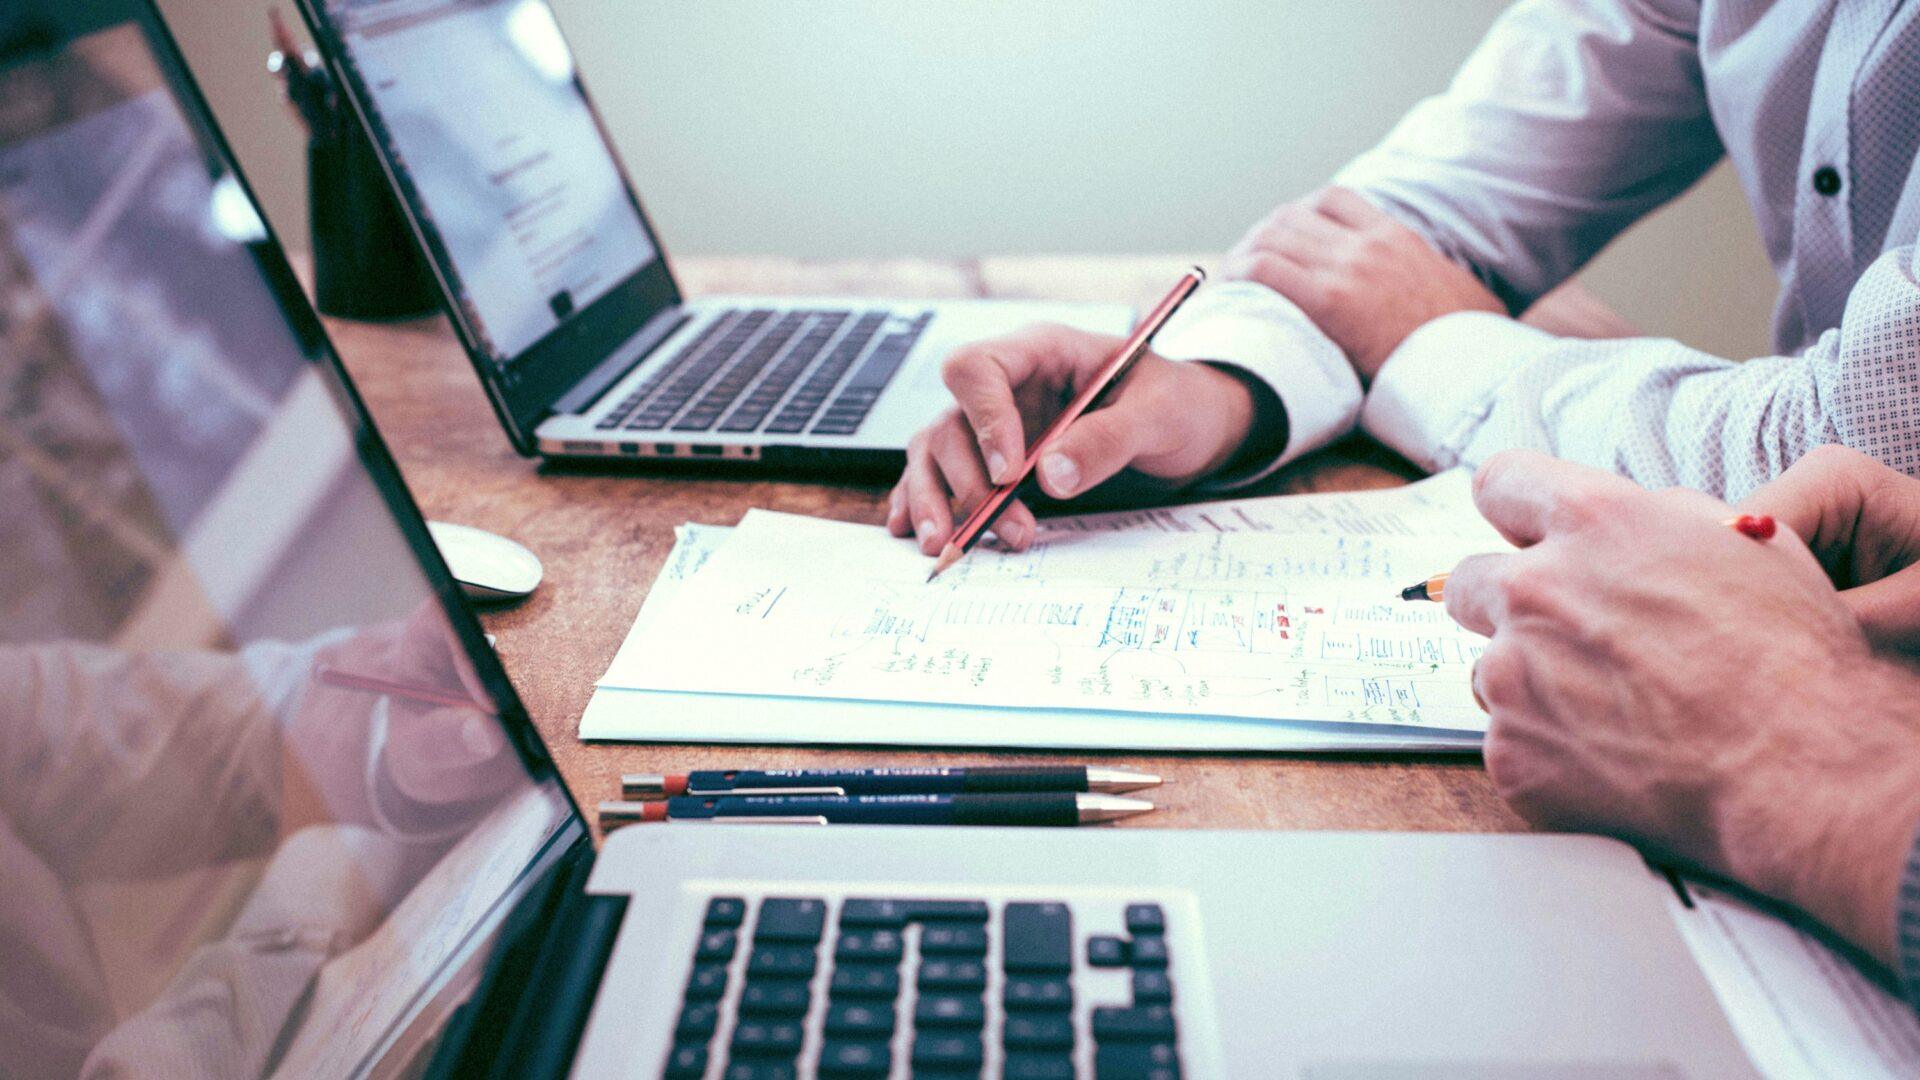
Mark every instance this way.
x=1477 y=592
x=1343 y=206
x=945 y=480
x=1103 y=442
x=1527 y=495
x=985 y=378
x=1860 y=517
x=927 y=498
x=1888 y=610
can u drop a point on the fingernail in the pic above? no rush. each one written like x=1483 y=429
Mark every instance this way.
x=997 y=467
x=1015 y=533
x=1062 y=474
x=924 y=529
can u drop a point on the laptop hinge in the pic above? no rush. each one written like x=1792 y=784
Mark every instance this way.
x=620 y=361
x=526 y=1017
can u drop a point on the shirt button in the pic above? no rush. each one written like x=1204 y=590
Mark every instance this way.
x=1826 y=180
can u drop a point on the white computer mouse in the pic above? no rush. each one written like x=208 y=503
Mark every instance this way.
x=487 y=566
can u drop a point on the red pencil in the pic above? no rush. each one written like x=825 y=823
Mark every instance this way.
x=425 y=695
x=1109 y=376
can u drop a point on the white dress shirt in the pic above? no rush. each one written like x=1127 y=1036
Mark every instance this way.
x=1572 y=120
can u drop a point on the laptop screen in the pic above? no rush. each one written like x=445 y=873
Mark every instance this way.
x=477 y=109
x=258 y=803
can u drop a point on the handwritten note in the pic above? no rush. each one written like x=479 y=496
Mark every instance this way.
x=1277 y=609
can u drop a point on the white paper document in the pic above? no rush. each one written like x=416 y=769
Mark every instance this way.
x=1800 y=1008
x=1296 y=622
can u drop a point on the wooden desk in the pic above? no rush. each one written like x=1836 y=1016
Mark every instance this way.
x=603 y=538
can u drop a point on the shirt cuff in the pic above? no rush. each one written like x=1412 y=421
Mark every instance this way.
x=1907 y=926
x=1248 y=326
x=1437 y=387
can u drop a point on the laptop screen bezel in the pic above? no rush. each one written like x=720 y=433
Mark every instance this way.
x=435 y=998
x=548 y=369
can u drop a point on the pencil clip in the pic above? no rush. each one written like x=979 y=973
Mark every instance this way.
x=750 y=819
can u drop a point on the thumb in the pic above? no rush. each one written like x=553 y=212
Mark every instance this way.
x=1098 y=445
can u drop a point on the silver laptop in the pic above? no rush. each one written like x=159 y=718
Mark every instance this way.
x=562 y=294
x=270 y=806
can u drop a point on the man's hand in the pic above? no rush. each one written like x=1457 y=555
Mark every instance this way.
x=1365 y=279
x=1863 y=521
x=1175 y=422
x=1656 y=675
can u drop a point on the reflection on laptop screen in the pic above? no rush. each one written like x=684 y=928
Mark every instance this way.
x=255 y=802
x=480 y=112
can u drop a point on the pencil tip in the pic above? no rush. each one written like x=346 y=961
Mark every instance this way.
x=948 y=556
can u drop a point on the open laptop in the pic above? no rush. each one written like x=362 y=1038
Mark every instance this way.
x=270 y=806
x=562 y=294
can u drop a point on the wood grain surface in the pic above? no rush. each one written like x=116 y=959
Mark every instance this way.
x=604 y=535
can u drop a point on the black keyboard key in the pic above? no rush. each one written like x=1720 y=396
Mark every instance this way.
x=781 y=962
x=1146 y=919
x=1038 y=1031
x=1150 y=951
x=1038 y=993
x=766 y=1038
x=860 y=1019
x=953 y=940
x=946 y=1050
x=783 y=997
x=1152 y=987
x=844 y=1058
x=783 y=919
x=866 y=980
x=716 y=946
x=766 y=1069
x=942 y=974
x=686 y=1061
x=950 y=1011
x=966 y=911
x=708 y=981
x=697 y=1022
x=878 y=369
x=864 y=912
x=1038 y=938
x=877 y=946
x=725 y=911
x=1136 y=1061
x=1146 y=1023
x=1105 y=951
x=1033 y=1066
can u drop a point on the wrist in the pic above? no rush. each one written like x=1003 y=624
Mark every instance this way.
x=1253 y=421
x=1828 y=822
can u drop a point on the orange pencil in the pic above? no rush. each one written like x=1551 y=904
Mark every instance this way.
x=1757 y=526
x=1109 y=376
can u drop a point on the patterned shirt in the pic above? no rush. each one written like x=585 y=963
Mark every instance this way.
x=1572 y=120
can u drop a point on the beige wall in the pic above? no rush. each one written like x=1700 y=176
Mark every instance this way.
x=869 y=127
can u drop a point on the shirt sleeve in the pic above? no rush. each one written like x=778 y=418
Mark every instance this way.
x=1248 y=326
x=1907 y=930
x=1467 y=385
x=1571 y=120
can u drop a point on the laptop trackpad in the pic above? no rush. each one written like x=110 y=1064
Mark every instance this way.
x=1492 y=1070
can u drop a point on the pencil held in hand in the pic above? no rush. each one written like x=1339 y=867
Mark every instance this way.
x=1759 y=527
x=1105 y=379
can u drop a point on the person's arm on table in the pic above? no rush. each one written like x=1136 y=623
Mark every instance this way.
x=1657 y=676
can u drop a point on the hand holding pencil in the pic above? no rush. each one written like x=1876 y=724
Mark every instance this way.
x=1172 y=422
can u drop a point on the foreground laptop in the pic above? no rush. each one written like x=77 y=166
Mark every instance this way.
x=269 y=805
x=562 y=294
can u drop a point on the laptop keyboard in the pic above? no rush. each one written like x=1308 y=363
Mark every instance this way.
x=922 y=988
x=738 y=374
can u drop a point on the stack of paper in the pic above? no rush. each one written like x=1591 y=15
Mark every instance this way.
x=1268 y=623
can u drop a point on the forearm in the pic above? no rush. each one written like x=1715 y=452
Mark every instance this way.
x=1466 y=386
x=1828 y=823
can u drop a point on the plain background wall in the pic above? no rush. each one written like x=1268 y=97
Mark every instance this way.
x=848 y=128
